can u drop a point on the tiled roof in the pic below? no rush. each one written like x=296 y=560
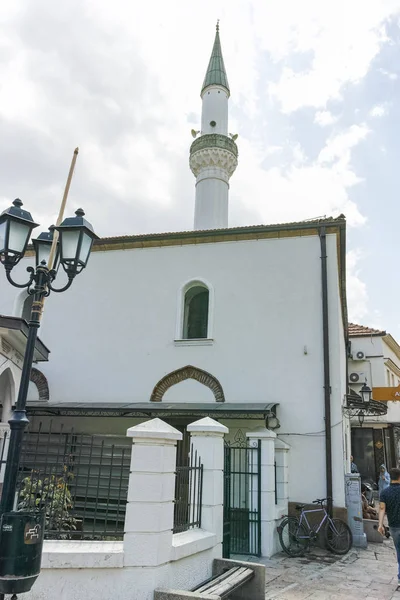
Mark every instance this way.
x=242 y=229
x=359 y=330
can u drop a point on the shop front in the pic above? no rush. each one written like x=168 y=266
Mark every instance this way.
x=372 y=447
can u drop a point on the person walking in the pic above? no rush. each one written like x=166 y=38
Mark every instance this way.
x=384 y=479
x=390 y=504
x=353 y=466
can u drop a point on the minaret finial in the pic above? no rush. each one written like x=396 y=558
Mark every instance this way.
x=217 y=25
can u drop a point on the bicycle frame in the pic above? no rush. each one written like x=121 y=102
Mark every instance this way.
x=303 y=518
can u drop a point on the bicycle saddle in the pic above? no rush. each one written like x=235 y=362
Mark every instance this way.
x=300 y=506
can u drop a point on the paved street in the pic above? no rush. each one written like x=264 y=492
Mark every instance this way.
x=369 y=574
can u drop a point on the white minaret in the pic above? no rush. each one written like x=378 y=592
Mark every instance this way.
x=213 y=155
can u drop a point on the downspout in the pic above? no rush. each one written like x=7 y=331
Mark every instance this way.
x=327 y=375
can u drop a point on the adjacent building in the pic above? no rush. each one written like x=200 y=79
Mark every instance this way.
x=374 y=358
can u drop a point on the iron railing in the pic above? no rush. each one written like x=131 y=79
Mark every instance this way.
x=276 y=484
x=79 y=480
x=188 y=491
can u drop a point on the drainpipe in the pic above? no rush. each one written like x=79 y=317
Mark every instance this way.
x=327 y=376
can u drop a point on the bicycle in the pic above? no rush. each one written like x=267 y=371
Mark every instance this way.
x=296 y=534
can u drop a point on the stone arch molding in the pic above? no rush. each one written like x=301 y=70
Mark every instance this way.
x=40 y=381
x=184 y=373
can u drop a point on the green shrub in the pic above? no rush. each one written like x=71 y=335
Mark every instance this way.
x=51 y=494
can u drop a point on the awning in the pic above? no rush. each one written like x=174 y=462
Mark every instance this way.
x=14 y=331
x=221 y=410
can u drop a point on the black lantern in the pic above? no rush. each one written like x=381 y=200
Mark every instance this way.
x=42 y=245
x=76 y=239
x=366 y=393
x=16 y=227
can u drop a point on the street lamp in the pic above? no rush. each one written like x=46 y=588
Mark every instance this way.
x=366 y=393
x=76 y=237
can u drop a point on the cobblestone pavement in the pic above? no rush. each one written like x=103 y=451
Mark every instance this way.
x=369 y=574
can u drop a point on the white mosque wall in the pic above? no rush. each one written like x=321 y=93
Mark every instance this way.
x=112 y=337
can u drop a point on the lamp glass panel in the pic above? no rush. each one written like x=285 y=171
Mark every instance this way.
x=18 y=237
x=43 y=252
x=366 y=394
x=85 y=248
x=3 y=228
x=69 y=244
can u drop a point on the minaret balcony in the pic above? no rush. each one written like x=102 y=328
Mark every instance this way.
x=214 y=140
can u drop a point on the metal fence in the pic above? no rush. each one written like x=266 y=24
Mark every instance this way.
x=79 y=480
x=188 y=491
x=242 y=499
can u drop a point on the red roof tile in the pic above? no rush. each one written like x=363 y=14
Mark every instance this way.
x=359 y=330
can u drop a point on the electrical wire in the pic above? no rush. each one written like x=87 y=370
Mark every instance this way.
x=313 y=433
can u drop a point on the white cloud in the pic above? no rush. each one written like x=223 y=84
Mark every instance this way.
x=357 y=295
x=301 y=188
x=324 y=118
x=122 y=81
x=342 y=39
x=378 y=111
x=339 y=146
x=389 y=74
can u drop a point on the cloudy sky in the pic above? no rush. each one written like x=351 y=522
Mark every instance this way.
x=315 y=99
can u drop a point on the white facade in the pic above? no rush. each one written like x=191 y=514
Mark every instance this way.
x=113 y=337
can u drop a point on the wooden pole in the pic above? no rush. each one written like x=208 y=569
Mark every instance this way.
x=59 y=219
x=62 y=209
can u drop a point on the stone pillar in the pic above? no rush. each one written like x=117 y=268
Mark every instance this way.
x=150 y=508
x=282 y=474
x=268 y=507
x=207 y=437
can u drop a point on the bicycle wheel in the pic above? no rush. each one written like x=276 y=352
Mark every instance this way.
x=338 y=536
x=293 y=536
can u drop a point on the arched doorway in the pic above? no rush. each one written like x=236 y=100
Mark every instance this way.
x=188 y=372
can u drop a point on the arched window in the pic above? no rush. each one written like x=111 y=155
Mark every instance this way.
x=195 y=313
x=27 y=308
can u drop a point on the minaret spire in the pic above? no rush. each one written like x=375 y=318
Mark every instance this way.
x=216 y=73
x=213 y=155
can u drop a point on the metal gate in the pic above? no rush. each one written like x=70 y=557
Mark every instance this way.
x=242 y=500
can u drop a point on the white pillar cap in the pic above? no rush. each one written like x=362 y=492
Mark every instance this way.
x=207 y=425
x=154 y=429
x=261 y=433
x=281 y=445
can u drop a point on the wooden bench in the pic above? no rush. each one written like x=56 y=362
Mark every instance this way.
x=230 y=579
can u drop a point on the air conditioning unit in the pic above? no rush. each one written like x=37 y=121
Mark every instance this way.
x=358 y=355
x=357 y=377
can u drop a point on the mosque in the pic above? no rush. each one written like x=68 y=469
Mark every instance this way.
x=246 y=325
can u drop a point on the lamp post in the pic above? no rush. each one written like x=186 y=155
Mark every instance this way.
x=73 y=247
